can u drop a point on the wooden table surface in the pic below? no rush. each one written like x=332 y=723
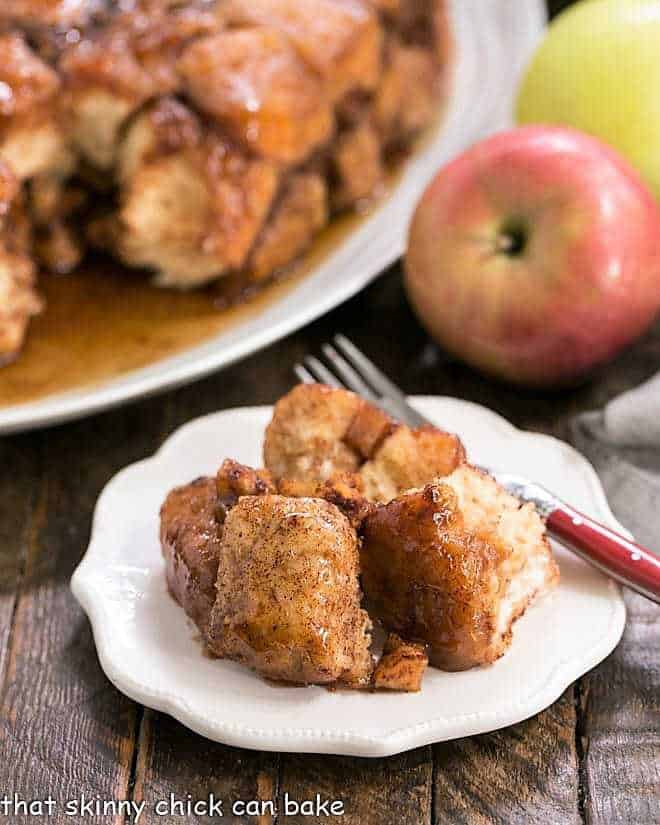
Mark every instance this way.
x=65 y=731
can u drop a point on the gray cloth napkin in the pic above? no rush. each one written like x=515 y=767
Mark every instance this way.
x=623 y=443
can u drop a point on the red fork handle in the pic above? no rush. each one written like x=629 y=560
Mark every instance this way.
x=618 y=557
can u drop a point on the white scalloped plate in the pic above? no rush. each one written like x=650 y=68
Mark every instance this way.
x=494 y=39
x=146 y=645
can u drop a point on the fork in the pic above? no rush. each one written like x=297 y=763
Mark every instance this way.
x=620 y=558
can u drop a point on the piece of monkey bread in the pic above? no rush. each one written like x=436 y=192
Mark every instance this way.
x=454 y=565
x=318 y=432
x=288 y=594
x=191 y=524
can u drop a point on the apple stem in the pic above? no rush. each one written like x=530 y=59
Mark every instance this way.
x=505 y=243
x=511 y=240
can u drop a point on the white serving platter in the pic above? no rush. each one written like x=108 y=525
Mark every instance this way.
x=494 y=40
x=148 y=648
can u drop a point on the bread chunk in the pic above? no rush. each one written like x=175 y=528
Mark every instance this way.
x=410 y=458
x=49 y=12
x=317 y=432
x=190 y=541
x=19 y=301
x=288 y=600
x=340 y=39
x=258 y=88
x=32 y=138
x=357 y=165
x=407 y=97
x=115 y=68
x=191 y=525
x=300 y=213
x=401 y=667
x=305 y=437
x=191 y=206
x=454 y=565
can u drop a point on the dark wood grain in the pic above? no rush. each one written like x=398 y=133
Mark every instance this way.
x=524 y=775
x=621 y=726
x=65 y=730
x=381 y=791
x=19 y=492
x=173 y=760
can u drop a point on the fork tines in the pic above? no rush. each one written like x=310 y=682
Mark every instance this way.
x=341 y=369
x=346 y=366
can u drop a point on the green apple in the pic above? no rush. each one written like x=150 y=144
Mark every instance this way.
x=598 y=70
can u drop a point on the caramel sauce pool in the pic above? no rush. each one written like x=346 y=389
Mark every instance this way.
x=104 y=321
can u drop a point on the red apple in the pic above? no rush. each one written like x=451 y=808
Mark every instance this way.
x=535 y=255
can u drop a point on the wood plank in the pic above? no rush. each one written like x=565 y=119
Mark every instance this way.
x=20 y=484
x=621 y=727
x=64 y=729
x=523 y=775
x=388 y=791
x=173 y=760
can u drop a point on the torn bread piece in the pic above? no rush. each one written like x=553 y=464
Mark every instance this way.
x=191 y=524
x=407 y=96
x=317 y=432
x=341 y=40
x=113 y=69
x=301 y=211
x=410 y=458
x=344 y=490
x=253 y=82
x=454 y=565
x=305 y=437
x=530 y=569
x=58 y=13
x=190 y=539
x=357 y=166
x=19 y=300
x=288 y=593
x=32 y=135
x=191 y=205
x=401 y=667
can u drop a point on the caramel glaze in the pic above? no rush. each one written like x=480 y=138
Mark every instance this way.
x=104 y=321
